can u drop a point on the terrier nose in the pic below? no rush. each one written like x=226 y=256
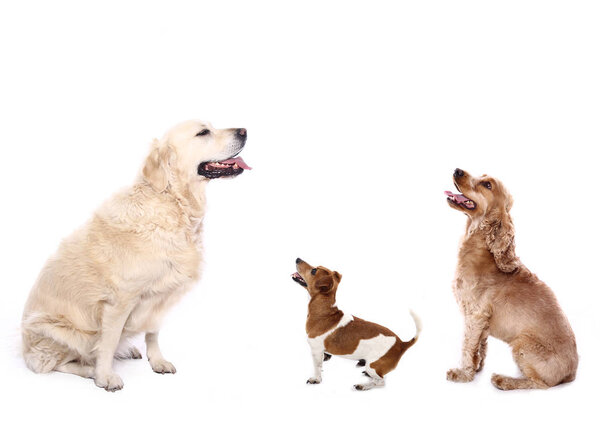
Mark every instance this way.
x=298 y=260
x=241 y=134
x=458 y=173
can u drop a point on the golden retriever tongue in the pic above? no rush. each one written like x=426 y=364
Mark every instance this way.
x=237 y=160
x=459 y=198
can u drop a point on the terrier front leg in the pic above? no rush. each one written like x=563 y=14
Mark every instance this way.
x=475 y=334
x=155 y=358
x=317 y=356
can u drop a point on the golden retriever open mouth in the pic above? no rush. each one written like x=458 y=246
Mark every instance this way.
x=460 y=200
x=216 y=169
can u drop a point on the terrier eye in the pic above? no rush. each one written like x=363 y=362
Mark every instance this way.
x=314 y=271
x=488 y=185
x=203 y=132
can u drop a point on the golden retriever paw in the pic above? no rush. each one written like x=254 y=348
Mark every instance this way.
x=111 y=382
x=460 y=375
x=314 y=381
x=162 y=366
x=134 y=353
x=129 y=353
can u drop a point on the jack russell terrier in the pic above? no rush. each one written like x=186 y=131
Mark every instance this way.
x=331 y=331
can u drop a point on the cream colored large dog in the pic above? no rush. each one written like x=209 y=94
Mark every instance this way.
x=140 y=252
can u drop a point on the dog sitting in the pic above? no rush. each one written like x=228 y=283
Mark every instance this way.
x=119 y=274
x=332 y=332
x=499 y=296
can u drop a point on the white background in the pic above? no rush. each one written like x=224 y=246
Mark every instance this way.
x=357 y=114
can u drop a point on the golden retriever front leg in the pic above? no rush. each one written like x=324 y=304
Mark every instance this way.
x=158 y=363
x=113 y=320
x=476 y=327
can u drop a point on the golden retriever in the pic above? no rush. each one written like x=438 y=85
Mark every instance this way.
x=141 y=251
x=499 y=296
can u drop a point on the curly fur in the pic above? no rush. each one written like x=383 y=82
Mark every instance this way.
x=500 y=297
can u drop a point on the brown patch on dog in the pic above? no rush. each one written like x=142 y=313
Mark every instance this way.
x=323 y=316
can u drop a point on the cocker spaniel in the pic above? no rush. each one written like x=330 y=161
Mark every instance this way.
x=500 y=297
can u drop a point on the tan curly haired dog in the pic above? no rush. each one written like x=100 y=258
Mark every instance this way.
x=499 y=296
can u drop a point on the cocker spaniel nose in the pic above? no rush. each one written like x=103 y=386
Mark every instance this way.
x=458 y=173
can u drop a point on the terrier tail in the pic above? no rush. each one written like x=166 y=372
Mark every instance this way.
x=418 y=326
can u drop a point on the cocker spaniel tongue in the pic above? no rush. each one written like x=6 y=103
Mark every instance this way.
x=460 y=200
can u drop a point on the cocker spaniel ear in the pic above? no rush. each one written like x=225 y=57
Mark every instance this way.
x=500 y=239
x=156 y=169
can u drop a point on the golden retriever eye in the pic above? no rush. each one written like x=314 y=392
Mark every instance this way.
x=488 y=185
x=203 y=132
x=314 y=271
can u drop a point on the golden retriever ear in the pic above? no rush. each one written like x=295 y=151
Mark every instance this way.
x=156 y=168
x=500 y=239
x=324 y=284
x=337 y=276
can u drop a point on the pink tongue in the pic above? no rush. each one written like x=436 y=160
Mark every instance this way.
x=237 y=160
x=459 y=198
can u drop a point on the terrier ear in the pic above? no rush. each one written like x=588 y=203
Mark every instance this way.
x=156 y=169
x=324 y=284
x=337 y=277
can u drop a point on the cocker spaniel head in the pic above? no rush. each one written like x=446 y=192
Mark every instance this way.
x=487 y=203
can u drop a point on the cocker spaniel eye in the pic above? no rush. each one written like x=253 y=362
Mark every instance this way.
x=314 y=271
x=488 y=185
x=203 y=132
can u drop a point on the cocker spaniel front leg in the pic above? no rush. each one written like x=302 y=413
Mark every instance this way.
x=474 y=349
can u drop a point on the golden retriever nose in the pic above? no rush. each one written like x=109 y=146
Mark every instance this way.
x=298 y=260
x=458 y=173
x=241 y=134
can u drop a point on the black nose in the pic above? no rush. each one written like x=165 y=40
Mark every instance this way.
x=241 y=134
x=298 y=260
x=458 y=173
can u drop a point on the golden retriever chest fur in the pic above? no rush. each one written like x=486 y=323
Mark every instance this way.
x=154 y=261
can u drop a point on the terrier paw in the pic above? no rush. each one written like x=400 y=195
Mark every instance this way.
x=459 y=375
x=162 y=366
x=313 y=381
x=111 y=382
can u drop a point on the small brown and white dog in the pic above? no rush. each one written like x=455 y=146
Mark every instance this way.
x=138 y=255
x=332 y=332
x=499 y=296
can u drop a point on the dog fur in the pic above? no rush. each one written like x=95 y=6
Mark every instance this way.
x=500 y=297
x=332 y=332
x=119 y=274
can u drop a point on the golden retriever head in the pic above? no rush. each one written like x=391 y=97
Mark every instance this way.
x=194 y=150
x=317 y=280
x=487 y=203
